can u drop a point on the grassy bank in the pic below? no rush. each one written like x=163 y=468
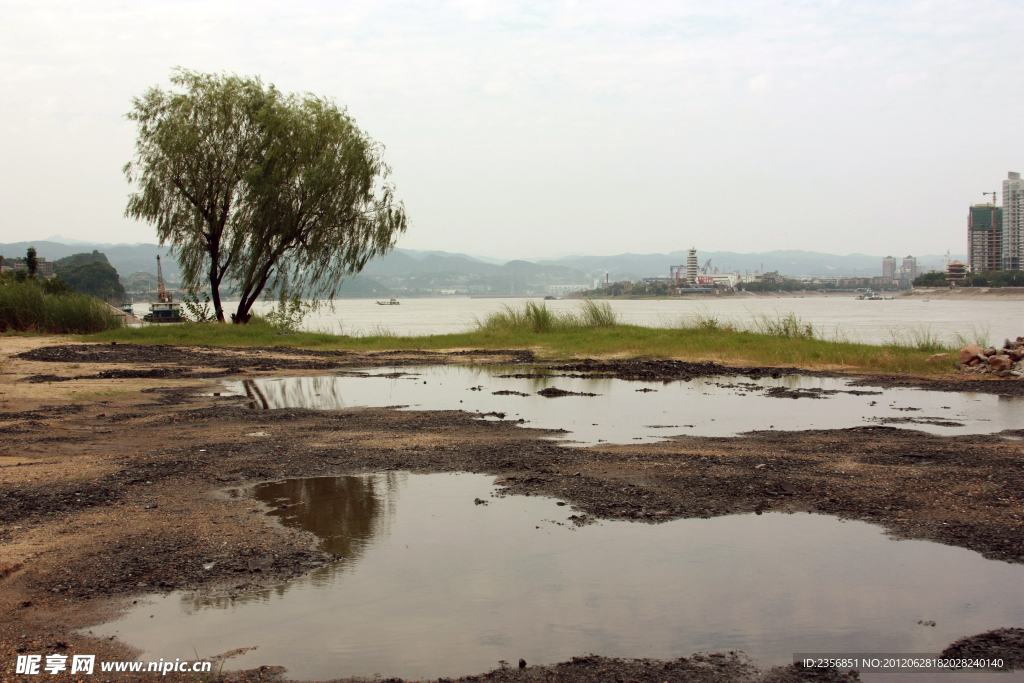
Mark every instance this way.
x=591 y=332
x=24 y=307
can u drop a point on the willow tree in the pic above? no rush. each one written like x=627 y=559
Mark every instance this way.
x=316 y=209
x=193 y=152
x=263 y=193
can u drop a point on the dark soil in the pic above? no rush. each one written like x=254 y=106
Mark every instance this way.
x=555 y=392
x=113 y=499
x=1006 y=644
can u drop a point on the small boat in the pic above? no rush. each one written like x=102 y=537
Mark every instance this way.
x=390 y=302
x=871 y=296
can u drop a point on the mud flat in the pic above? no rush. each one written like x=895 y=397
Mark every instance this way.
x=114 y=465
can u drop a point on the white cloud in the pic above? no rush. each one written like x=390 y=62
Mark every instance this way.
x=529 y=127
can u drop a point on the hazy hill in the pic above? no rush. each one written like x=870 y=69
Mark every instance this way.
x=411 y=272
x=125 y=258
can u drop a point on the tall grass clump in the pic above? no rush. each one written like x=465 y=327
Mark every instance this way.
x=539 y=319
x=789 y=326
x=595 y=314
x=24 y=307
x=920 y=338
x=703 y=319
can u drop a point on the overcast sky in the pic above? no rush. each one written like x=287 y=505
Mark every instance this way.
x=520 y=129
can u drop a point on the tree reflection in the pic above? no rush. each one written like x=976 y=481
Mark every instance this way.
x=348 y=514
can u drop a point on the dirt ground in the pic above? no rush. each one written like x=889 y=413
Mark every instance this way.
x=111 y=459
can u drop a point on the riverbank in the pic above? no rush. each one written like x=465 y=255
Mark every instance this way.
x=967 y=293
x=706 y=339
x=113 y=456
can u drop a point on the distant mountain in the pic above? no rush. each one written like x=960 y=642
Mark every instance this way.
x=410 y=272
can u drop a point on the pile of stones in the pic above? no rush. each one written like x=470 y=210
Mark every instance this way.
x=1004 y=362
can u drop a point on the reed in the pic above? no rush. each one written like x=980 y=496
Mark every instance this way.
x=24 y=307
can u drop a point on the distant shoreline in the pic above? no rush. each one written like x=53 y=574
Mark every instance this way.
x=967 y=293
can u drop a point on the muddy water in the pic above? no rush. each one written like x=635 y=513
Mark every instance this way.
x=431 y=584
x=629 y=412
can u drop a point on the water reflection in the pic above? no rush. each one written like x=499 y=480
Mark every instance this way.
x=623 y=411
x=440 y=586
x=345 y=512
x=348 y=514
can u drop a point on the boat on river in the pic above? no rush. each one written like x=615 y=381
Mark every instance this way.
x=391 y=302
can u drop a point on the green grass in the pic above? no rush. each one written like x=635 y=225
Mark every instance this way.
x=783 y=341
x=25 y=308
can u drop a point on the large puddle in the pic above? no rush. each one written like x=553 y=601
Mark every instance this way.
x=432 y=584
x=621 y=411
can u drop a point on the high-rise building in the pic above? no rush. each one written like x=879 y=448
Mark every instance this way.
x=889 y=268
x=984 y=238
x=1012 y=257
x=691 y=267
x=909 y=269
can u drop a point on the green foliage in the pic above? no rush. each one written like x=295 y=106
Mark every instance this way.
x=56 y=286
x=193 y=151
x=785 y=286
x=95 y=278
x=994 y=278
x=31 y=262
x=25 y=307
x=277 y=193
x=724 y=345
x=595 y=314
x=79 y=259
x=318 y=206
x=198 y=311
x=289 y=313
x=788 y=326
x=931 y=280
x=539 y=319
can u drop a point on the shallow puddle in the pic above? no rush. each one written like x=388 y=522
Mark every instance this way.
x=433 y=584
x=630 y=412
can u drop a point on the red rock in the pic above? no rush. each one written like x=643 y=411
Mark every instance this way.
x=998 y=363
x=969 y=352
x=1016 y=354
x=938 y=357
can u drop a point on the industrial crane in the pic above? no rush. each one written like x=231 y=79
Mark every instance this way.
x=164 y=310
x=995 y=200
x=162 y=295
x=706 y=267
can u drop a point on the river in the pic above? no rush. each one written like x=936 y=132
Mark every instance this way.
x=874 y=322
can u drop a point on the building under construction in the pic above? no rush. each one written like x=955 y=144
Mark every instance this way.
x=984 y=237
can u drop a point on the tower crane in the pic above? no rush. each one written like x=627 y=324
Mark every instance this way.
x=995 y=200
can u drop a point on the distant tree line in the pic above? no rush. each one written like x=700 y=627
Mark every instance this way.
x=989 y=278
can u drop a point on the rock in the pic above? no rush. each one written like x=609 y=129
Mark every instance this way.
x=522 y=663
x=970 y=352
x=1016 y=354
x=991 y=351
x=1000 y=363
x=261 y=564
x=938 y=357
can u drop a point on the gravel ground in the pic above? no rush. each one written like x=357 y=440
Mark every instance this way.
x=108 y=484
